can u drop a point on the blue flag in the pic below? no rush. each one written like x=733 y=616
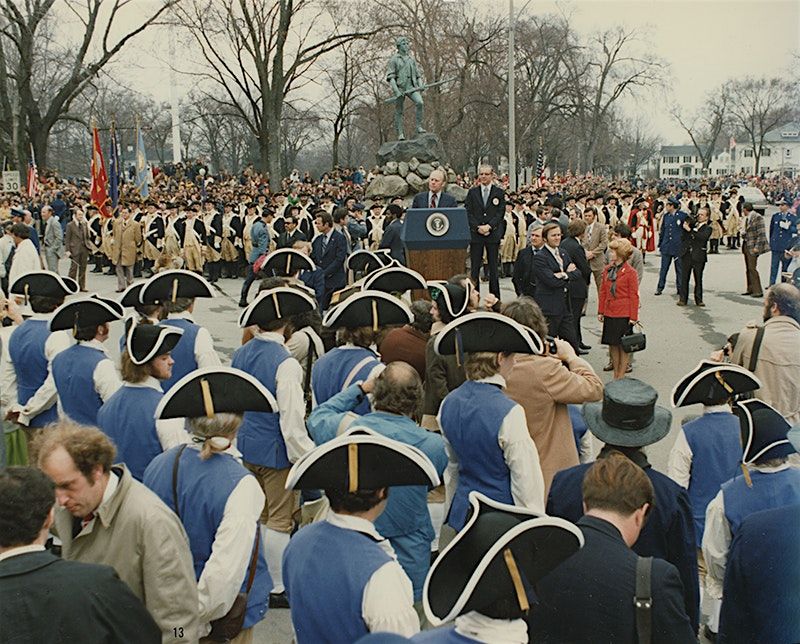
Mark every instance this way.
x=141 y=165
x=113 y=170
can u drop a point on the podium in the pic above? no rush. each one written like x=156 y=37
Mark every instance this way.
x=436 y=241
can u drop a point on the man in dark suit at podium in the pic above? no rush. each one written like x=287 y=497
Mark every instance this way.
x=485 y=206
x=329 y=250
x=435 y=197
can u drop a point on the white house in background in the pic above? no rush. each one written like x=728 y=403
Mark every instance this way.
x=780 y=155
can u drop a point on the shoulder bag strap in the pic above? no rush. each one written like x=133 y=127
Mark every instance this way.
x=310 y=355
x=175 y=479
x=253 y=561
x=354 y=371
x=756 y=348
x=643 y=601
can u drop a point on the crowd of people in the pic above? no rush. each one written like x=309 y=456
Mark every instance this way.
x=378 y=462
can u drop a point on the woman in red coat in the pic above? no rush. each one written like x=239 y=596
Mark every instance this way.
x=618 y=307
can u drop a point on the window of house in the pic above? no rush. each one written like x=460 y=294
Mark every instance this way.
x=765 y=152
x=748 y=154
x=687 y=159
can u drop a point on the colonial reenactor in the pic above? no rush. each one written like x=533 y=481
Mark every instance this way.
x=768 y=480
x=358 y=320
x=717 y=231
x=230 y=235
x=192 y=237
x=172 y=245
x=105 y=516
x=216 y=498
x=128 y=417
x=297 y=265
x=29 y=352
x=376 y=222
x=486 y=435
x=95 y=240
x=153 y=229
x=176 y=291
x=107 y=243
x=271 y=442
x=212 y=252
x=396 y=280
x=358 y=586
x=483 y=579
x=84 y=375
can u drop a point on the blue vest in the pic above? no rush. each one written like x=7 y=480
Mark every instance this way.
x=260 y=440
x=770 y=490
x=325 y=570
x=183 y=353
x=128 y=418
x=203 y=491
x=442 y=635
x=26 y=347
x=73 y=372
x=471 y=416
x=716 y=453
x=331 y=370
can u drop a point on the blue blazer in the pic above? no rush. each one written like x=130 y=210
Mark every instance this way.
x=423 y=200
x=391 y=240
x=332 y=260
x=551 y=291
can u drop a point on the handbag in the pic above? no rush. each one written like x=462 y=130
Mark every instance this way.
x=230 y=624
x=633 y=342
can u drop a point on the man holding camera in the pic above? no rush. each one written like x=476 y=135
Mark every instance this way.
x=695 y=235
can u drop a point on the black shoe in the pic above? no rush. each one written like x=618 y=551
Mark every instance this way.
x=759 y=295
x=582 y=352
x=585 y=347
x=746 y=293
x=242 y=304
x=278 y=600
x=681 y=302
x=710 y=635
x=659 y=292
x=699 y=303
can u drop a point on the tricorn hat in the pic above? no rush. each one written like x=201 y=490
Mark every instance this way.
x=85 y=312
x=130 y=297
x=285 y=262
x=710 y=382
x=486 y=331
x=147 y=341
x=628 y=415
x=366 y=261
x=215 y=390
x=501 y=552
x=275 y=304
x=44 y=284
x=361 y=459
x=171 y=285
x=764 y=431
x=394 y=279
x=452 y=300
x=368 y=308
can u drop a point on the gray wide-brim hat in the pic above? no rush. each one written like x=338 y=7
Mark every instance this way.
x=628 y=415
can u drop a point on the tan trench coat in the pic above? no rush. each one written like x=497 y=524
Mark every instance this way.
x=127 y=239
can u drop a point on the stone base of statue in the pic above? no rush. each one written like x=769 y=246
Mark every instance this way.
x=404 y=167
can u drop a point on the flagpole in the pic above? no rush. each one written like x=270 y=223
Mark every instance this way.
x=512 y=124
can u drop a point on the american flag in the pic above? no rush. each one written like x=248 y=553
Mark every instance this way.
x=540 y=167
x=32 y=176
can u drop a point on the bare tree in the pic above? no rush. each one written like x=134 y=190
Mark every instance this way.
x=27 y=53
x=299 y=128
x=256 y=52
x=609 y=70
x=705 y=126
x=757 y=106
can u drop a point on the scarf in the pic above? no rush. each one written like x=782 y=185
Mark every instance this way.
x=613 y=269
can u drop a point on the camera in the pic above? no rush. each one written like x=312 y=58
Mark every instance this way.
x=550 y=345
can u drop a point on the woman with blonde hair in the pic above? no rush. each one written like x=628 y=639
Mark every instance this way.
x=216 y=498
x=618 y=305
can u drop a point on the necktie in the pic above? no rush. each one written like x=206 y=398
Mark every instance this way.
x=433 y=200
x=485 y=195
x=324 y=243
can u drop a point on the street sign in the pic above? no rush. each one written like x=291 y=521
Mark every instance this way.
x=10 y=180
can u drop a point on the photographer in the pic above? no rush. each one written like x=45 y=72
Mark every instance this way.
x=695 y=235
x=544 y=386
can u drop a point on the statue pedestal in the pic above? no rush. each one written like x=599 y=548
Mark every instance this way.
x=422 y=147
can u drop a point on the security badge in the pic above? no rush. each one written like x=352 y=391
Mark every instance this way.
x=495 y=202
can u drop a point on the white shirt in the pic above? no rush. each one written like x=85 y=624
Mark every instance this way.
x=387 y=605
x=111 y=488
x=231 y=549
x=291 y=402
x=21 y=550
x=300 y=343
x=679 y=467
x=480 y=628
x=555 y=253
x=26 y=259
x=204 y=353
x=717 y=537
x=519 y=453
x=44 y=397
x=170 y=431
x=105 y=376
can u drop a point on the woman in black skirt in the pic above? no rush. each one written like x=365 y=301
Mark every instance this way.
x=618 y=307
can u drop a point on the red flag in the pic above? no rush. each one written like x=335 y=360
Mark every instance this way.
x=33 y=179
x=99 y=190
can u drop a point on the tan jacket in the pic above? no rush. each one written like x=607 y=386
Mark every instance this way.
x=778 y=364
x=596 y=243
x=544 y=387
x=127 y=240
x=144 y=541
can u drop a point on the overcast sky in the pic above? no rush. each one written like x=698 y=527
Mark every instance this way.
x=705 y=43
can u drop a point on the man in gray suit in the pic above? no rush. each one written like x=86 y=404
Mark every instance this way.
x=77 y=243
x=435 y=197
x=595 y=241
x=53 y=239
